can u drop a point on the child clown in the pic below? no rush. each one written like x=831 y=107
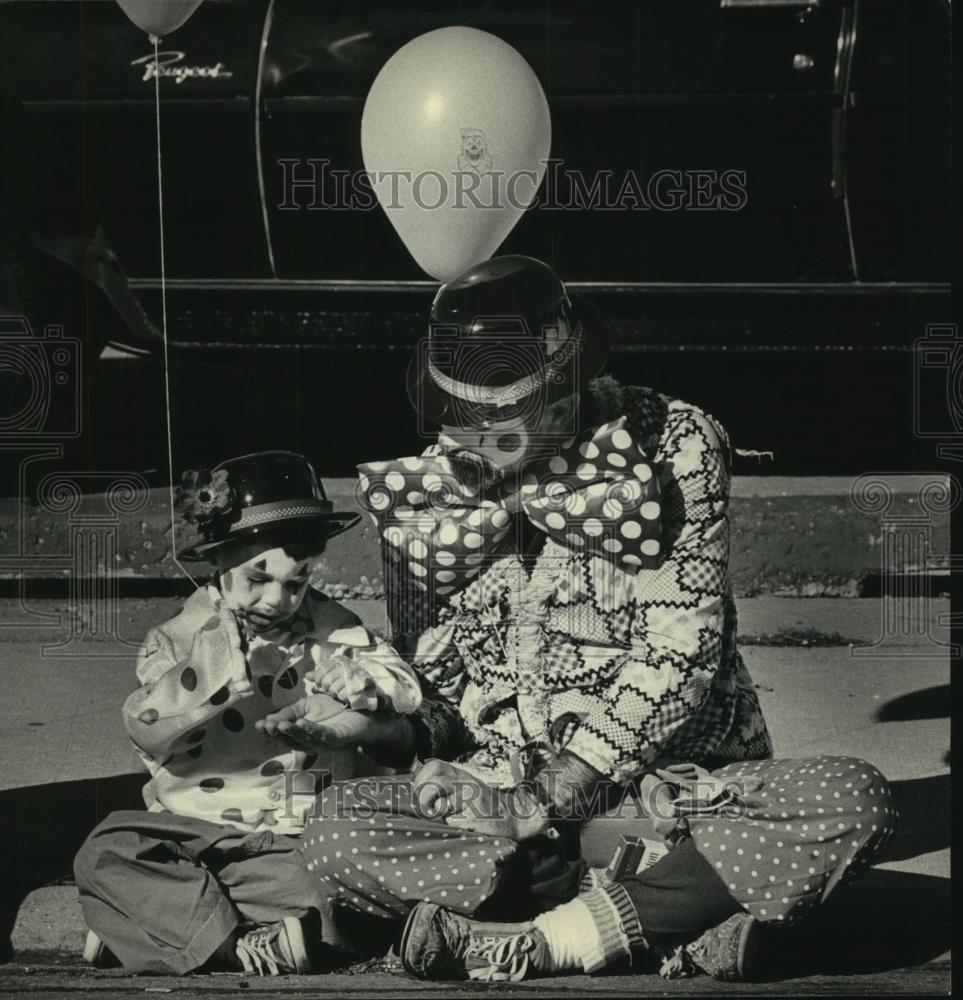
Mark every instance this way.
x=211 y=875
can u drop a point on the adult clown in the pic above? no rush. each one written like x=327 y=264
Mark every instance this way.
x=556 y=566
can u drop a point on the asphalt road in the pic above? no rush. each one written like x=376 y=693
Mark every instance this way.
x=53 y=981
x=824 y=688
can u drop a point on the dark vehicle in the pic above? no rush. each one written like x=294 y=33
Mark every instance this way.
x=756 y=192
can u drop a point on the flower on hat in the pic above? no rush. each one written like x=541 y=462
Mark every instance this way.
x=203 y=495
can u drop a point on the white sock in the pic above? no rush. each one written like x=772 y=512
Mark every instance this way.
x=571 y=934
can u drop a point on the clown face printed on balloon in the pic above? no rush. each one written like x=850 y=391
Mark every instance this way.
x=474 y=154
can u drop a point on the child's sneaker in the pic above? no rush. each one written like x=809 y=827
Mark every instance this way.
x=96 y=953
x=274 y=949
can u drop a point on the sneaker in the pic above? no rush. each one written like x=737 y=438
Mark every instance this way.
x=728 y=951
x=274 y=949
x=438 y=944
x=96 y=953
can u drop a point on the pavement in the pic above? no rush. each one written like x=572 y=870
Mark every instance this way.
x=834 y=676
x=792 y=536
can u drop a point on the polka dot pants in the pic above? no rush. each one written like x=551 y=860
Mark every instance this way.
x=373 y=854
x=812 y=824
x=808 y=826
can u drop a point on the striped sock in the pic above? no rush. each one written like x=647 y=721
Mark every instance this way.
x=571 y=934
x=617 y=925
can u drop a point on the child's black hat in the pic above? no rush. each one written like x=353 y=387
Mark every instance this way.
x=246 y=496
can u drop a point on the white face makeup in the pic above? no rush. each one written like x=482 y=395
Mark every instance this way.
x=491 y=452
x=268 y=587
x=501 y=443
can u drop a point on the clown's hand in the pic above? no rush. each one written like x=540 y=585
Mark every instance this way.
x=502 y=812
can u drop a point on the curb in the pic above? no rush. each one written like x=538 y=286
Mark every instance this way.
x=807 y=537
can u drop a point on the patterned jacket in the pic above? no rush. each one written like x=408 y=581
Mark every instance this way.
x=192 y=720
x=627 y=667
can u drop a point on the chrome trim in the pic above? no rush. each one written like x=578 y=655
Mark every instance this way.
x=842 y=76
x=265 y=31
x=660 y=102
x=749 y=4
x=845 y=43
x=627 y=287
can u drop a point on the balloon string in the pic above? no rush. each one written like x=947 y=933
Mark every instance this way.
x=163 y=281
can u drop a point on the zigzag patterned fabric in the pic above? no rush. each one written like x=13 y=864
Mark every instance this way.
x=627 y=667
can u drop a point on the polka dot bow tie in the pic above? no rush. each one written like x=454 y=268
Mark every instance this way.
x=599 y=496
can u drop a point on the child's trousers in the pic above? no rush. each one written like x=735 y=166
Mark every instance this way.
x=164 y=892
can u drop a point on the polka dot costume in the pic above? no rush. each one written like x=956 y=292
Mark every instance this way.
x=372 y=853
x=598 y=496
x=778 y=856
x=812 y=824
x=194 y=717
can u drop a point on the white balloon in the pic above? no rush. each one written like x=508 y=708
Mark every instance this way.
x=159 y=17
x=455 y=135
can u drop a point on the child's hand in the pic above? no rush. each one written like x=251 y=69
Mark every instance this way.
x=300 y=719
x=317 y=720
x=349 y=683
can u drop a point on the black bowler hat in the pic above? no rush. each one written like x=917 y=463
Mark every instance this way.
x=503 y=335
x=245 y=496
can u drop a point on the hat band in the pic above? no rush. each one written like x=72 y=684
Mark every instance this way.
x=280 y=510
x=485 y=395
x=502 y=395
